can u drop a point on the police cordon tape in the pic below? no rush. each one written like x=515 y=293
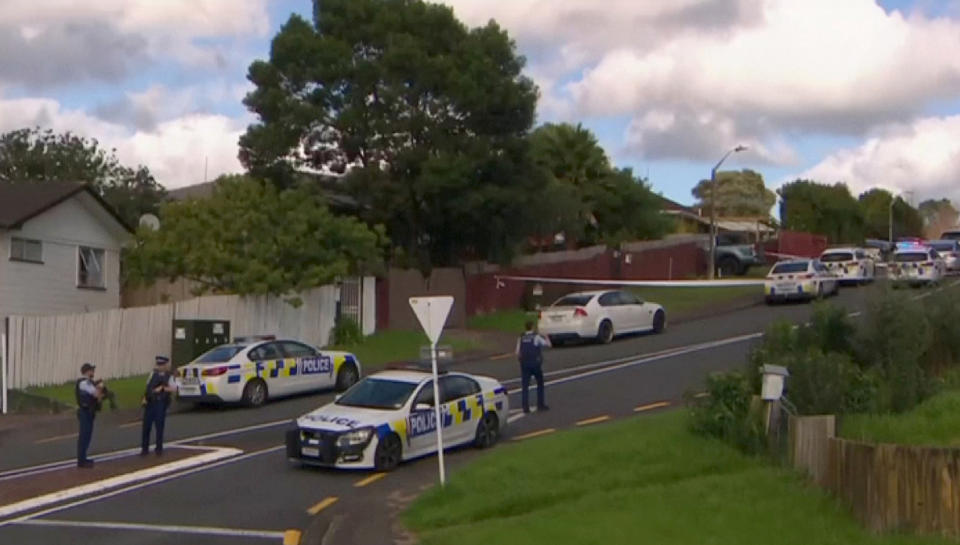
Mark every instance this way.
x=638 y=283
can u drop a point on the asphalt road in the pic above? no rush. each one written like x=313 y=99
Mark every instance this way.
x=257 y=496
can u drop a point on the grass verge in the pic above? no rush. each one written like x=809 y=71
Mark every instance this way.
x=935 y=422
x=641 y=480
x=396 y=345
x=685 y=300
x=511 y=321
x=129 y=391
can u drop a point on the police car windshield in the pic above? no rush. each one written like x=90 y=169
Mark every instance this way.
x=375 y=393
x=573 y=301
x=943 y=246
x=787 y=268
x=951 y=235
x=836 y=256
x=906 y=257
x=220 y=354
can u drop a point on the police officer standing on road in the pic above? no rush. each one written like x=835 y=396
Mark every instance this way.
x=89 y=394
x=156 y=400
x=530 y=353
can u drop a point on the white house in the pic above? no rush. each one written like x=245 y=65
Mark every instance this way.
x=59 y=249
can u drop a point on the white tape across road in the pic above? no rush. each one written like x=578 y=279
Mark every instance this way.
x=638 y=283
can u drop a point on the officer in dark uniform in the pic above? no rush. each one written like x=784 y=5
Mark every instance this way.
x=530 y=354
x=88 y=394
x=156 y=400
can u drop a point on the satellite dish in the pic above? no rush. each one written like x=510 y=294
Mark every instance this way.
x=150 y=221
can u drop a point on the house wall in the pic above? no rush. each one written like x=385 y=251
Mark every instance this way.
x=51 y=287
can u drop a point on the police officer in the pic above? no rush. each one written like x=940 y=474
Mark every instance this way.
x=88 y=394
x=156 y=400
x=530 y=354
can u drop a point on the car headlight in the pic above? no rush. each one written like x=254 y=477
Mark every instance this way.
x=355 y=437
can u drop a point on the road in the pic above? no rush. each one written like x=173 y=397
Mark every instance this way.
x=251 y=495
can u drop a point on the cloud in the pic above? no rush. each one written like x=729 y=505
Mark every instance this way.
x=175 y=150
x=922 y=156
x=764 y=70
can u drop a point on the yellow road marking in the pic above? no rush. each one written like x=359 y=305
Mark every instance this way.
x=503 y=356
x=534 y=434
x=651 y=406
x=55 y=438
x=594 y=420
x=371 y=479
x=292 y=537
x=321 y=505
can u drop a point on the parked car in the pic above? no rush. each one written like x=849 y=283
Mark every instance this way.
x=804 y=279
x=850 y=265
x=916 y=265
x=735 y=257
x=600 y=315
x=251 y=371
x=950 y=234
x=949 y=250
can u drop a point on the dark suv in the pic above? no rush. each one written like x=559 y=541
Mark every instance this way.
x=734 y=256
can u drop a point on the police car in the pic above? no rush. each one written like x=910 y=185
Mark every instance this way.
x=850 y=265
x=389 y=417
x=916 y=264
x=253 y=369
x=799 y=279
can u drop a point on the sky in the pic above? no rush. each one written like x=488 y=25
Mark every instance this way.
x=855 y=91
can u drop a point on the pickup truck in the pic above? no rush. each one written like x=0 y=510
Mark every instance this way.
x=734 y=257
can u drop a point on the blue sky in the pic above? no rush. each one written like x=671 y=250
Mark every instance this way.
x=852 y=91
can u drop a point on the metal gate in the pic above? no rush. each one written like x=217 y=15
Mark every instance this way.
x=351 y=299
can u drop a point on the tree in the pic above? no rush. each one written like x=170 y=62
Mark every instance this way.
x=35 y=155
x=592 y=200
x=824 y=209
x=251 y=238
x=739 y=194
x=426 y=119
x=875 y=205
x=938 y=216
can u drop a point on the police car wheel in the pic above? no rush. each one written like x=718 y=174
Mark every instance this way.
x=488 y=431
x=605 y=334
x=389 y=453
x=347 y=377
x=255 y=393
x=659 y=321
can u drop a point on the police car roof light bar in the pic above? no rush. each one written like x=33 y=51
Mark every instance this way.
x=252 y=338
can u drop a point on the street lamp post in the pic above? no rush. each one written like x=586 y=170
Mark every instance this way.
x=893 y=200
x=711 y=267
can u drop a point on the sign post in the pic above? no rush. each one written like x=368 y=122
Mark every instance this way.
x=432 y=313
x=3 y=365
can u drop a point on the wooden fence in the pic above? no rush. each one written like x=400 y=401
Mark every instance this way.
x=887 y=487
x=122 y=342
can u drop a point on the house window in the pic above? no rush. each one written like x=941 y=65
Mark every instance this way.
x=90 y=268
x=22 y=249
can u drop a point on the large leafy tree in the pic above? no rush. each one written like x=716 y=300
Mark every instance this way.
x=588 y=198
x=829 y=210
x=938 y=216
x=426 y=118
x=738 y=193
x=37 y=155
x=251 y=238
x=875 y=205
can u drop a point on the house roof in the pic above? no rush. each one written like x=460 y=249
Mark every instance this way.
x=667 y=204
x=22 y=201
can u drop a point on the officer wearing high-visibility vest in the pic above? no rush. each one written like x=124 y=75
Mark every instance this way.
x=530 y=347
x=156 y=400
x=88 y=394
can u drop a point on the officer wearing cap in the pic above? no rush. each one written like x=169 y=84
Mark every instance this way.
x=88 y=394
x=156 y=400
x=530 y=347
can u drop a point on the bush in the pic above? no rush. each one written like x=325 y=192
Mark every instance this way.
x=943 y=352
x=729 y=412
x=828 y=383
x=347 y=332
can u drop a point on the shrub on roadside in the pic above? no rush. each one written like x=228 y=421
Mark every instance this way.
x=729 y=412
x=347 y=332
x=943 y=352
x=828 y=383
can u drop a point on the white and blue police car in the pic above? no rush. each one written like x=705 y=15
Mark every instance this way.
x=254 y=369
x=389 y=417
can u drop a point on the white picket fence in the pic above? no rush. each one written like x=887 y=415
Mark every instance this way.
x=47 y=350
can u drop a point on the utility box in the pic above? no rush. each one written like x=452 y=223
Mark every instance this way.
x=191 y=338
x=773 y=379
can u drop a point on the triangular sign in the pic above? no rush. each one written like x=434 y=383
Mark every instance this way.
x=432 y=313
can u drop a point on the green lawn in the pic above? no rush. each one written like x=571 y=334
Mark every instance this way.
x=395 y=345
x=935 y=422
x=640 y=480
x=682 y=300
x=511 y=321
x=129 y=391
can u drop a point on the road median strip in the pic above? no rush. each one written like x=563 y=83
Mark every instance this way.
x=322 y=504
x=369 y=480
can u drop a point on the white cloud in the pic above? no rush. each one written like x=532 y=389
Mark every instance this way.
x=175 y=151
x=922 y=156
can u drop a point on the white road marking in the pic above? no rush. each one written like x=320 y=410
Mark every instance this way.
x=214 y=455
x=165 y=528
x=142 y=485
x=514 y=418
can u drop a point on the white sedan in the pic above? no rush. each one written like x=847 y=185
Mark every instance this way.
x=389 y=417
x=916 y=265
x=799 y=279
x=600 y=315
x=251 y=371
x=850 y=265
